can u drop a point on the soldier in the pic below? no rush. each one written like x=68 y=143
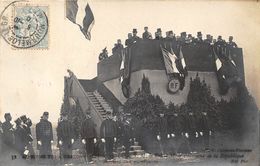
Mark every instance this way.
x=189 y=39
x=88 y=135
x=204 y=129
x=129 y=40
x=8 y=131
x=135 y=37
x=27 y=123
x=146 y=34
x=44 y=136
x=118 y=47
x=162 y=134
x=220 y=42
x=208 y=39
x=65 y=136
x=158 y=34
x=199 y=37
x=20 y=135
x=230 y=43
x=191 y=130
x=183 y=38
x=103 y=55
x=126 y=134
x=108 y=133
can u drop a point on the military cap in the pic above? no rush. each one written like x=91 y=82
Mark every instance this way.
x=134 y=30
x=23 y=118
x=208 y=35
x=230 y=37
x=183 y=34
x=219 y=37
x=46 y=113
x=18 y=121
x=159 y=30
x=199 y=33
x=146 y=27
x=189 y=35
x=7 y=114
x=170 y=32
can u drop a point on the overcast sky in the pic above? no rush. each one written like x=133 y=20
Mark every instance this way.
x=32 y=80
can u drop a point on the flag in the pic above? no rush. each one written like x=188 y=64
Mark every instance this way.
x=80 y=13
x=169 y=61
x=182 y=59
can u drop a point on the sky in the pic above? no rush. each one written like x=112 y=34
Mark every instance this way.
x=32 y=80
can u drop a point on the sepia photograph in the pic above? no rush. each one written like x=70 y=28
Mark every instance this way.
x=129 y=82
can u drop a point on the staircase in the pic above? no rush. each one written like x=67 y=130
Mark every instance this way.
x=135 y=150
x=99 y=103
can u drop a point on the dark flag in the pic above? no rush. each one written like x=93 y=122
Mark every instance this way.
x=80 y=13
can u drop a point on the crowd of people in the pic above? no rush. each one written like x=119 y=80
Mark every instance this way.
x=181 y=39
x=18 y=138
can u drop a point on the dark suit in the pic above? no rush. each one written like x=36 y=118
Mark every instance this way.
x=88 y=133
x=45 y=135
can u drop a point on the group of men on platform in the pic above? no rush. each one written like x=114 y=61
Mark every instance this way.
x=182 y=39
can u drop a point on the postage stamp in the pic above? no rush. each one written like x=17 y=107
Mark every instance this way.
x=25 y=26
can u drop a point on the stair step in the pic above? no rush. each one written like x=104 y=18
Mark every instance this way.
x=136 y=147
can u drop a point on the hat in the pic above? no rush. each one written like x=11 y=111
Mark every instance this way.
x=170 y=32
x=46 y=113
x=18 y=121
x=183 y=34
x=199 y=34
x=109 y=112
x=145 y=27
x=208 y=35
x=189 y=35
x=159 y=30
x=134 y=30
x=7 y=114
x=230 y=37
x=23 y=118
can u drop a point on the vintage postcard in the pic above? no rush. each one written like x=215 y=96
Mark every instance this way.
x=129 y=82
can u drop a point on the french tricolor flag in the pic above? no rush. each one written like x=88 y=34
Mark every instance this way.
x=80 y=13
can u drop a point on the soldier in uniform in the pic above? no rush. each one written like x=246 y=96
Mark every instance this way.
x=8 y=132
x=158 y=34
x=199 y=37
x=129 y=40
x=135 y=37
x=191 y=129
x=126 y=134
x=108 y=133
x=27 y=123
x=118 y=47
x=204 y=129
x=147 y=34
x=20 y=135
x=44 y=136
x=208 y=39
x=103 y=55
x=88 y=136
x=230 y=43
x=162 y=133
x=65 y=136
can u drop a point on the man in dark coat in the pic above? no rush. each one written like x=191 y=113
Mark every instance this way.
x=108 y=133
x=126 y=134
x=204 y=129
x=147 y=34
x=191 y=129
x=88 y=135
x=8 y=132
x=27 y=123
x=20 y=135
x=162 y=133
x=44 y=136
x=65 y=135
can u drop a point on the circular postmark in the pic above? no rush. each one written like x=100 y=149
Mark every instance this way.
x=23 y=26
